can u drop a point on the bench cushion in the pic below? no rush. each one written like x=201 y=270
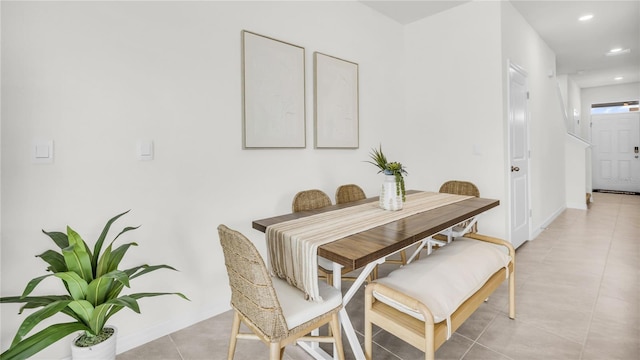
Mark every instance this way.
x=443 y=280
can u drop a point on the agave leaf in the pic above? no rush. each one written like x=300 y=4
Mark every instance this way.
x=148 y=269
x=98 y=246
x=143 y=295
x=99 y=288
x=34 y=319
x=115 y=290
x=55 y=260
x=33 y=344
x=76 y=285
x=83 y=308
x=103 y=262
x=33 y=283
x=76 y=256
x=59 y=238
x=99 y=318
x=117 y=255
x=127 y=301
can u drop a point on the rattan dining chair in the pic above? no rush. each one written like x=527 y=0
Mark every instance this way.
x=461 y=188
x=310 y=200
x=456 y=187
x=276 y=312
x=349 y=193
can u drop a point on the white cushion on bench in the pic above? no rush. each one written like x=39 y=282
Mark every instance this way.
x=445 y=279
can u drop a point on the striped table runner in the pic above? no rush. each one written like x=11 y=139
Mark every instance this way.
x=293 y=245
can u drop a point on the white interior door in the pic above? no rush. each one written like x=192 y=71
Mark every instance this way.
x=519 y=156
x=616 y=142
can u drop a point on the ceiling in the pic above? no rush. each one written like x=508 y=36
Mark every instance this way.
x=580 y=47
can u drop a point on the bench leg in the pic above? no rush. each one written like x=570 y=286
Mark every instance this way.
x=368 y=328
x=430 y=346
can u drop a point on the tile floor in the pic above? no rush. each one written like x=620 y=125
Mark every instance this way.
x=577 y=297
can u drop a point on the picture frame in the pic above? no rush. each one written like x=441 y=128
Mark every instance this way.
x=336 y=102
x=273 y=93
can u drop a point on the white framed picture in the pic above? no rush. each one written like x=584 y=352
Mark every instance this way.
x=273 y=88
x=335 y=102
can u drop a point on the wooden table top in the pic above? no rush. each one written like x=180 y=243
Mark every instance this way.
x=358 y=250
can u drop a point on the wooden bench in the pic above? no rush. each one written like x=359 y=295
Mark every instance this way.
x=466 y=272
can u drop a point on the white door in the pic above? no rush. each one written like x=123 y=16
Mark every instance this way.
x=519 y=156
x=616 y=162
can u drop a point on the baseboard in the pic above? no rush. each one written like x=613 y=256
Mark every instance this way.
x=579 y=206
x=547 y=222
x=132 y=341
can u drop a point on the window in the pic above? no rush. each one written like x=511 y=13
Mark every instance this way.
x=614 y=108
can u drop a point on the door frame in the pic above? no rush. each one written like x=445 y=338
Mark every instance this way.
x=515 y=67
x=594 y=167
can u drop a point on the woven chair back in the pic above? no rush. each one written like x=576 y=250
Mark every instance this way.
x=310 y=200
x=252 y=292
x=460 y=188
x=348 y=193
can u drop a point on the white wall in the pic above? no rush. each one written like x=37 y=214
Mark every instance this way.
x=523 y=46
x=95 y=77
x=454 y=102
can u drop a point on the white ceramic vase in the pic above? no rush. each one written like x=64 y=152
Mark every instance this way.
x=389 y=198
x=105 y=350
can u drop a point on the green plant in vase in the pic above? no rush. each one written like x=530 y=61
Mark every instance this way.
x=93 y=283
x=389 y=168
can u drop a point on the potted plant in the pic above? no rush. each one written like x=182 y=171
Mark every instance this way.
x=93 y=284
x=396 y=171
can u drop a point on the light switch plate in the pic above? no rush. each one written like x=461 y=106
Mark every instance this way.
x=42 y=151
x=145 y=150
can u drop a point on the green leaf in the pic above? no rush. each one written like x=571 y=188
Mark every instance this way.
x=34 y=319
x=103 y=262
x=117 y=255
x=35 y=343
x=99 y=288
x=99 y=317
x=76 y=256
x=83 y=308
x=98 y=246
x=75 y=284
x=59 y=238
x=55 y=260
x=148 y=269
x=33 y=283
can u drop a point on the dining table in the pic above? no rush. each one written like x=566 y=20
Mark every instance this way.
x=368 y=248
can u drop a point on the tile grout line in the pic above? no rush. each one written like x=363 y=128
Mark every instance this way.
x=595 y=303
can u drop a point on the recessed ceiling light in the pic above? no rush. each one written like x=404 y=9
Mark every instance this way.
x=618 y=78
x=618 y=51
x=586 y=17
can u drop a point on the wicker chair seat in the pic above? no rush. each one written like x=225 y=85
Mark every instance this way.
x=297 y=310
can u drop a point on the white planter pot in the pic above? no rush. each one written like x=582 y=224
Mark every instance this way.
x=389 y=198
x=105 y=350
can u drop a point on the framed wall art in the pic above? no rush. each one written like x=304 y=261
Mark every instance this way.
x=335 y=102
x=273 y=88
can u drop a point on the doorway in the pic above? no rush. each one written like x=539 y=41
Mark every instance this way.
x=518 y=117
x=616 y=153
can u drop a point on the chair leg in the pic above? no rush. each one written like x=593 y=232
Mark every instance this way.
x=275 y=351
x=235 y=329
x=512 y=295
x=403 y=257
x=368 y=331
x=334 y=325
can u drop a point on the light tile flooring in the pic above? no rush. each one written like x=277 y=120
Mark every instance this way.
x=577 y=297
